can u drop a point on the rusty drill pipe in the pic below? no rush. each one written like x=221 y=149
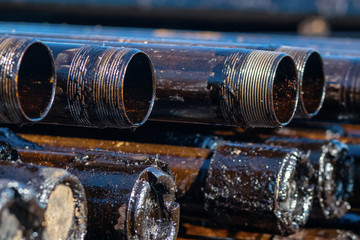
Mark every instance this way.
x=234 y=87
x=128 y=196
x=59 y=193
x=309 y=62
x=20 y=215
x=200 y=178
x=27 y=80
x=101 y=86
x=334 y=174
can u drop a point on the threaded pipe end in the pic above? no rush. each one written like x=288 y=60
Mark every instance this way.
x=110 y=87
x=312 y=87
x=27 y=80
x=260 y=89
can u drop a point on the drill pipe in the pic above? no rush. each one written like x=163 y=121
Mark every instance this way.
x=341 y=65
x=234 y=87
x=210 y=187
x=332 y=160
x=20 y=215
x=334 y=174
x=27 y=80
x=101 y=86
x=128 y=196
x=58 y=193
x=309 y=63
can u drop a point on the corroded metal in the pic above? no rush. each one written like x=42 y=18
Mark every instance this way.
x=58 y=193
x=27 y=80
x=101 y=86
x=20 y=215
x=129 y=196
x=235 y=87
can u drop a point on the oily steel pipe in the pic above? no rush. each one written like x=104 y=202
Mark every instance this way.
x=334 y=174
x=128 y=196
x=27 y=80
x=234 y=87
x=217 y=187
x=100 y=86
x=21 y=217
x=340 y=63
x=332 y=160
x=309 y=64
x=58 y=193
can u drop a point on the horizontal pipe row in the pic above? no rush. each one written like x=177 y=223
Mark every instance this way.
x=235 y=184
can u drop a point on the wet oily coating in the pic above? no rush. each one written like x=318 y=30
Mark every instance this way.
x=333 y=174
x=58 y=193
x=129 y=196
x=309 y=64
x=232 y=87
x=258 y=186
x=201 y=179
x=20 y=215
x=101 y=86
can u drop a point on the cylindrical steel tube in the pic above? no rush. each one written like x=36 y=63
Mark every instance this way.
x=128 y=196
x=235 y=87
x=309 y=63
x=271 y=184
x=20 y=215
x=334 y=174
x=236 y=186
x=101 y=86
x=59 y=193
x=27 y=80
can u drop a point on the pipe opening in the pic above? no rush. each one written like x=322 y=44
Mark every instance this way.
x=36 y=81
x=139 y=88
x=285 y=90
x=313 y=84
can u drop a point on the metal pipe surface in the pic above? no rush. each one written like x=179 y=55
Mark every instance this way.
x=334 y=174
x=58 y=193
x=236 y=186
x=234 y=87
x=129 y=196
x=309 y=63
x=101 y=86
x=27 y=80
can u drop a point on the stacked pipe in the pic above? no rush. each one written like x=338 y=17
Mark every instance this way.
x=249 y=180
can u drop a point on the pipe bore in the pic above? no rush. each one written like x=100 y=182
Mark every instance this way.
x=312 y=91
x=285 y=91
x=27 y=78
x=36 y=82
x=139 y=89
